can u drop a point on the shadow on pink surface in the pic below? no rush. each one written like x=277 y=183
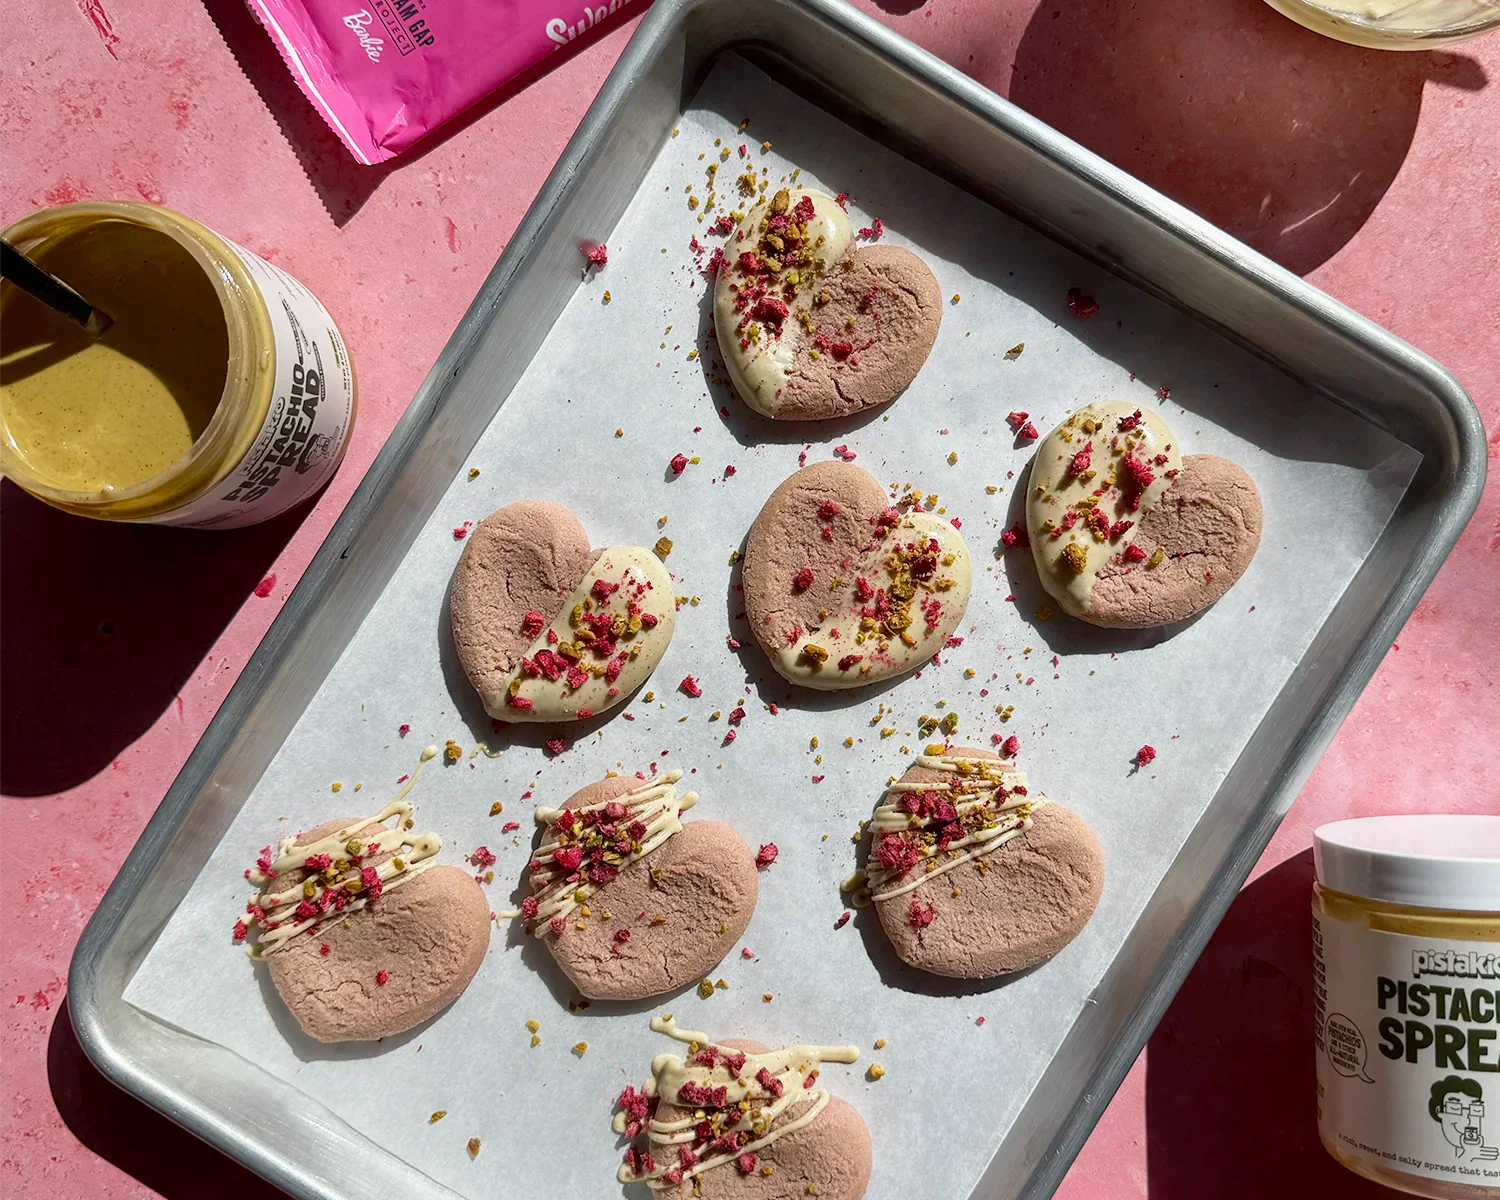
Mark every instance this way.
x=1284 y=138
x=342 y=184
x=1230 y=1092
x=135 y=1138
x=104 y=624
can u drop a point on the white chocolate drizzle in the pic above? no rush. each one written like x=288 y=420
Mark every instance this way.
x=990 y=799
x=342 y=887
x=564 y=675
x=755 y=1096
x=656 y=805
x=1097 y=509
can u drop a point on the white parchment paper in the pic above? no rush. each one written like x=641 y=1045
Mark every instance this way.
x=1329 y=482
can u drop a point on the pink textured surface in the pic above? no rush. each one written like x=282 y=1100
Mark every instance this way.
x=1375 y=175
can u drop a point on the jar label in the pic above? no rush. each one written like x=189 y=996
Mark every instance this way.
x=1408 y=1051
x=302 y=439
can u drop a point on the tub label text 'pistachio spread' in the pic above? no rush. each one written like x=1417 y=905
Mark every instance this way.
x=1408 y=1051
x=312 y=403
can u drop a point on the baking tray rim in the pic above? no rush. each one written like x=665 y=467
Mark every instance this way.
x=1456 y=493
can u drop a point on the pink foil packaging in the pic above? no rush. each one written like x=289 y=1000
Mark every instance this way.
x=385 y=73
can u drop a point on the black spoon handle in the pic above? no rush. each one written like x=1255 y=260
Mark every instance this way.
x=50 y=290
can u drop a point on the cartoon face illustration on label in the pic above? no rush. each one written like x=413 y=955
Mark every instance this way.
x=1458 y=1106
x=320 y=448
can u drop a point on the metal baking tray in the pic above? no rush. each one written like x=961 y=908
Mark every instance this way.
x=942 y=120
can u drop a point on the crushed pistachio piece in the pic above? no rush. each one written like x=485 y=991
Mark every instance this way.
x=437 y=1116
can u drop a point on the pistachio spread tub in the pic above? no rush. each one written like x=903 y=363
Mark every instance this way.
x=221 y=395
x=1406 y=944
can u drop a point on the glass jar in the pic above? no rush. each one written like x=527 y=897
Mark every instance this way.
x=1394 y=24
x=222 y=395
x=1406 y=945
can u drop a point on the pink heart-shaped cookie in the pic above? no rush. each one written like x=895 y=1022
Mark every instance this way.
x=763 y=1126
x=363 y=934
x=548 y=629
x=1127 y=532
x=812 y=327
x=631 y=901
x=1010 y=879
x=842 y=588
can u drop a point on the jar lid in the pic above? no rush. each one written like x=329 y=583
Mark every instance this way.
x=1427 y=860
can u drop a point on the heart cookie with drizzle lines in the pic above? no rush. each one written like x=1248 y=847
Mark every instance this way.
x=734 y=1120
x=631 y=901
x=364 y=933
x=549 y=629
x=811 y=326
x=972 y=873
x=842 y=588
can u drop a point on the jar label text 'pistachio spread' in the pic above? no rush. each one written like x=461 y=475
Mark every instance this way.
x=1408 y=1051
x=305 y=430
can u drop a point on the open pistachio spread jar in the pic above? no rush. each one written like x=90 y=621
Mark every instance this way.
x=221 y=395
x=1406 y=946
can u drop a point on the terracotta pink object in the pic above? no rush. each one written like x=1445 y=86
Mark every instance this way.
x=1034 y=897
x=884 y=314
x=392 y=964
x=128 y=99
x=1208 y=524
x=705 y=896
x=833 y=1152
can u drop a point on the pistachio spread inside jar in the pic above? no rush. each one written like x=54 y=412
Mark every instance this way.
x=221 y=395
x=1406 y=961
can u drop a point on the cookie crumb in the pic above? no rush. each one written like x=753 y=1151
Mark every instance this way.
x=880 y=1043
x=580 y=1048
x=876 y=1071
x=474 y=1142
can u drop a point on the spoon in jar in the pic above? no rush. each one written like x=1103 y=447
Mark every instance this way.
x=50 y=290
